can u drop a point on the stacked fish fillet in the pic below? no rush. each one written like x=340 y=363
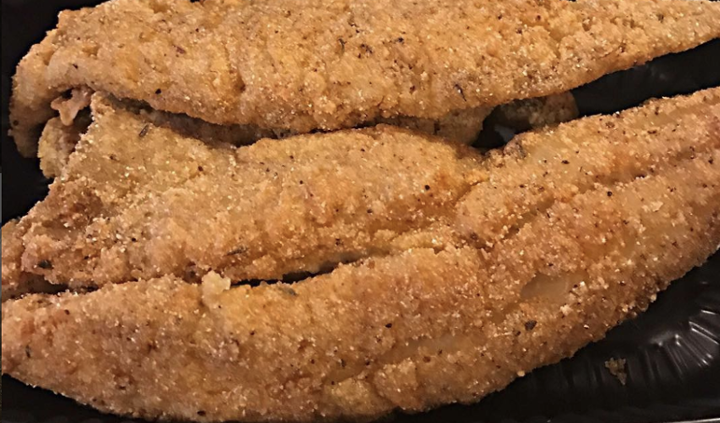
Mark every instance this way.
x=270 y=210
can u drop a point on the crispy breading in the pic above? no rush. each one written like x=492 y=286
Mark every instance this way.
x=12 y=274
x=309 y=64
x=57 y=142
x=583 y=155
x=409 y=329
x=127 y=207
x=461 y=126
x=18 y=283
x=68 y=108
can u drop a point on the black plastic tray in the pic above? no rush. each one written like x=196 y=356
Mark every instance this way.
x=672 y=351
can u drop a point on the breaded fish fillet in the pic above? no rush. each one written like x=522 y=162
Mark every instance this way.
x=593 y=239
x=311 y=64
x=58 y=140
x=127 y=207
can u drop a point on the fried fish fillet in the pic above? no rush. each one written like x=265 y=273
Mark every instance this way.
x=58 y=139
x=560 y=237
x=534 y=113
x=309 y=64
x=127 y=207
x=57 y=142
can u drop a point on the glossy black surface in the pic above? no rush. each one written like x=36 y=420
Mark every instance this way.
x=672 y=351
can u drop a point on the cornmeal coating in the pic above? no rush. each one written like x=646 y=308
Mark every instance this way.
x=139 y=200
x=415 y=328
x=535 y=113
x=302 y=65
x=462 y=126
x=58 y=140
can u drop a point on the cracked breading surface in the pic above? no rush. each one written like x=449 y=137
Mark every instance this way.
x=310 y=64
x=58 y=141
x=414 y=328
x=127 y=205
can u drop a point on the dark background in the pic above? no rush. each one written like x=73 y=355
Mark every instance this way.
x=672 y=351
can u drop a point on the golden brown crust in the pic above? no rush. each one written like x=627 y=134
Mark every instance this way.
x=31 y=97
x=304 y=65
x=139 y=200
x=57 y=142
x=11 y=251
x=127 y=208
x=410 y=330
x=535 y=113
